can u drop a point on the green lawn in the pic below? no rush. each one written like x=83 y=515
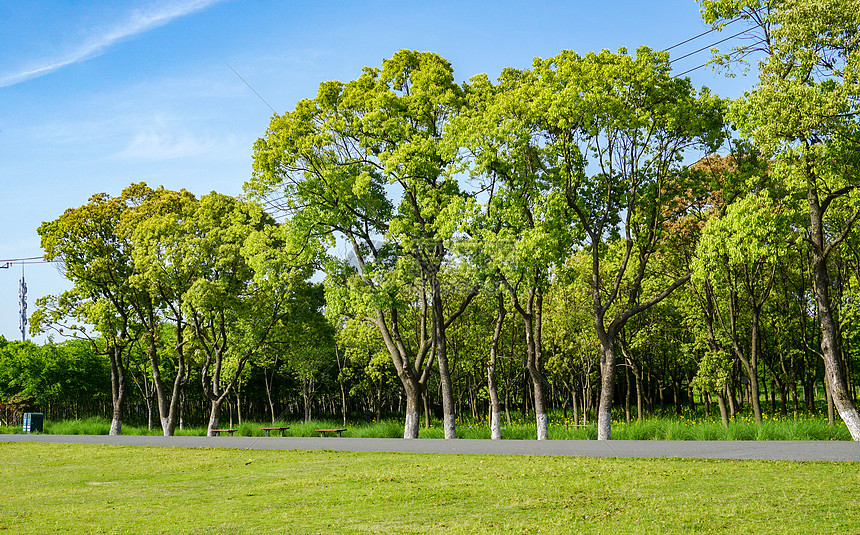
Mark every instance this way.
x=49 y=488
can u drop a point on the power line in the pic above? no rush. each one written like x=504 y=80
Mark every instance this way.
x=23 y=259
x=709 y=46
x=685 y=41
x=9 y=262
x=251 y=88
x=693 y=69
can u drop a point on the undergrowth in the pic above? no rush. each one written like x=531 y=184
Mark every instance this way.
x=654 y=428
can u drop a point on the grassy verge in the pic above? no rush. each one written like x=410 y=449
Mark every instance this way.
x=49 y=488
x=655 y=428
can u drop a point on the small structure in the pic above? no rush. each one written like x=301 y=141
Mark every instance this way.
x=33 y=422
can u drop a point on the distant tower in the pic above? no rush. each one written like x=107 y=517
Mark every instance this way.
x=22 y=293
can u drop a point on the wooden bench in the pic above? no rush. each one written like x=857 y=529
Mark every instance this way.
x=323 y=432
x=219 y=431
x=270 y=429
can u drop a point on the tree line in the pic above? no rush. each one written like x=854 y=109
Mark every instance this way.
x=537 y=237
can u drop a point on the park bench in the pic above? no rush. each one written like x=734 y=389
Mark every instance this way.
x=219 y=431
x=323 y=432
x=270 y=429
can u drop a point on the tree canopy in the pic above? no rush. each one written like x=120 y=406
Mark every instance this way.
x=565 y=237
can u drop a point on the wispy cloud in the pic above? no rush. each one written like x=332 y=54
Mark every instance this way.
x=138 y=22
x=157 y=145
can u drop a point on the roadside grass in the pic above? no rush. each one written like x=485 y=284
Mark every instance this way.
x=689 y=426
x=59 y=488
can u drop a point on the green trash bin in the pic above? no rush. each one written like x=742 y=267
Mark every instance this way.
x=33 y=422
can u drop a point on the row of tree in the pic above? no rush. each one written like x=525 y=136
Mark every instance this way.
x=580 y=157
x=213 y=275
x=547 y=217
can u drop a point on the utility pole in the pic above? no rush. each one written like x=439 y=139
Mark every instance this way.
x=22 y=293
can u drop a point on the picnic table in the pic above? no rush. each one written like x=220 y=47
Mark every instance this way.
x=219 y=431
x=270 y=429
x=323 y=432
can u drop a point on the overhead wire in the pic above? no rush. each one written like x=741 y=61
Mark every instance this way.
x=251 y=88
x=685 y=41
x=23 y=259
x=708 y=47
x=9 y=262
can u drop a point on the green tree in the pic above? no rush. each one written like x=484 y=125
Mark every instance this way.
x=67 y=380
x=163 y=276
x=239 y=292
x=521 y=232
x=96 y=258
x=737 y=258
x=336 y=158
x=607 y=131
x=804 y=113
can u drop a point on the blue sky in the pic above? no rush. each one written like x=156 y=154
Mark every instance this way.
x=95 y=95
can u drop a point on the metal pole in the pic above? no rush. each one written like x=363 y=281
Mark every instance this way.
x=22 y=293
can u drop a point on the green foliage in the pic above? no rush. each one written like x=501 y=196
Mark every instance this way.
x=36 y=377
x=576 y=187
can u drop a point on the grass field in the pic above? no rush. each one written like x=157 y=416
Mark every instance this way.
x=49 y=488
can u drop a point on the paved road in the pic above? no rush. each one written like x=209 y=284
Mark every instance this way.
x=765 y=450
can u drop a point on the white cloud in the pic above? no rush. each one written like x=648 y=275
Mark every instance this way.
x=138 y=22
x=153 y=145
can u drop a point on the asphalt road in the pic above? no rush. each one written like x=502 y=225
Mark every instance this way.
x=795 y=450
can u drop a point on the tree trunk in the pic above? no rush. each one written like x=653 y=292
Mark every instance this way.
x=168 y=406
x=149 y=414
x=412 y=423
x=638 y=376
x=607 y=384
x=441 y=344
x=269 y=383
x=730 y=397
x=426 y=400
x=531 y=315
x=117 y=372
x=214 y=410
x=412 y=375
x=829 y=332
x=492 y=389
x=508 y=402
x=340 y=382
x=754 y=390
x=627 y=395
x=721 y=401
x=238 y=404
x=532 y=359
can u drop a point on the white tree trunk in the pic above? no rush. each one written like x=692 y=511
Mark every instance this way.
x=542 y=426
x=604 y=425
x=604 y=407
x=496 y=425
x=213 y=419
x=844 y=406
x=410 y=429
x=115 y=427
x=450 y=426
